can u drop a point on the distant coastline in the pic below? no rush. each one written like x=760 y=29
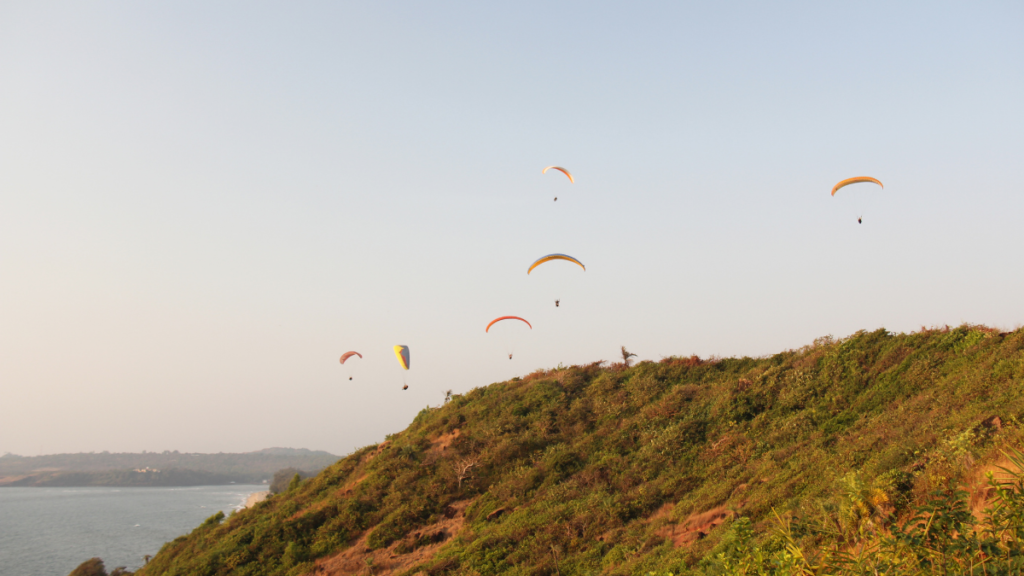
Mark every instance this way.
x=167 y=469
x=174 y=477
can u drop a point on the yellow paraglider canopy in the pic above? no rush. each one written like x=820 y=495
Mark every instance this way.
x=402 y=353
x=855 y=180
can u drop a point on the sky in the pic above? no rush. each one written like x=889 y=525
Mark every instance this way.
x=203 y=205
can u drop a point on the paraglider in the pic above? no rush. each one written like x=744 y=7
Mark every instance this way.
x=563 y=171
x=551 y=257
x=560 y=169
x=499 y=319
x=348 y=355
x=402 y=353
x=856 y=180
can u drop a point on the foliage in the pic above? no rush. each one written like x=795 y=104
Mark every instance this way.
x=687 y=465
x=283 y=479
x=941 y=536
x=95 y=567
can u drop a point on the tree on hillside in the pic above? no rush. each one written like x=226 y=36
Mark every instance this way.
x=463 y=470
x=283 y=479
x=626 y=355
x=91 y=567
x=95 y=567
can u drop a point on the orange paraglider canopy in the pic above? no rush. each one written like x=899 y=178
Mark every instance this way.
x=496 y=320
x=560 y=169
x=551 y=257
x=855 y=180
x=348 y=355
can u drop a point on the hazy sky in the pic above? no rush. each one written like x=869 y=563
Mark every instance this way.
x=202 y=205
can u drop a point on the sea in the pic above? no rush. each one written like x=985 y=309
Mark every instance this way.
x=50 y=531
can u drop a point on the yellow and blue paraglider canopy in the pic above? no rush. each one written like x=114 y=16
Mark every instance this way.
x=402 y=353
x=560 y=169
x=551 y=257
x=855 y=180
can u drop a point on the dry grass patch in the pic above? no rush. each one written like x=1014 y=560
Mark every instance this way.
x=416 y=548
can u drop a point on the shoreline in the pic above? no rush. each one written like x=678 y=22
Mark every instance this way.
x=255 y=498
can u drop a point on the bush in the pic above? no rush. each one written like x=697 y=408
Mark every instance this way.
x=942 y=536
x=283 y=478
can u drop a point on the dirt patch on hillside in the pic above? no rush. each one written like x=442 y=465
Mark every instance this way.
x=309 y=510
x=347 y=489
x=358 y=559
x=380 y=448
x=442 y=442
x=981 y=494
x=663 y=512
x=694 y=528
x=343 y=492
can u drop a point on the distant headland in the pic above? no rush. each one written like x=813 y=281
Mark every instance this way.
x=157 y=468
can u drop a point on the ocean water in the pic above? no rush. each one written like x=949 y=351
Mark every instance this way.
x=50 y=531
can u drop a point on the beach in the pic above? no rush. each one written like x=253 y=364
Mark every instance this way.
x=255 y=498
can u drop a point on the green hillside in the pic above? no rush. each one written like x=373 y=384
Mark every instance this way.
x=671 y=466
